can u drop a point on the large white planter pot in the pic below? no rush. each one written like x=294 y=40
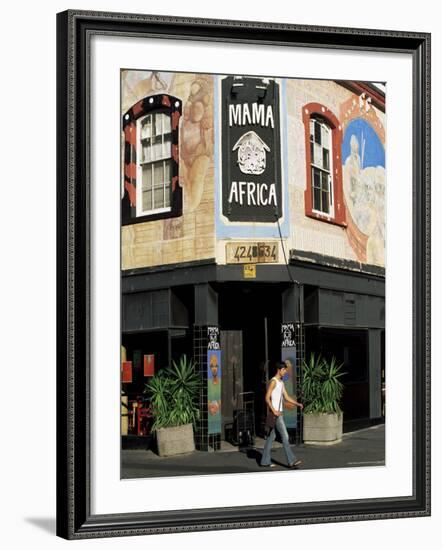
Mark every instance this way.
x=175 y=441
x=322 y=428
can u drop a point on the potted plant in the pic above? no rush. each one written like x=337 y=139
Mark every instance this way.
x=173 y=394
x=322 y=393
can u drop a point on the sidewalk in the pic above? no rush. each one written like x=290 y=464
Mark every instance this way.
x=360 y=448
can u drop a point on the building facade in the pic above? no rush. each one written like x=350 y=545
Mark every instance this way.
x=253 y=229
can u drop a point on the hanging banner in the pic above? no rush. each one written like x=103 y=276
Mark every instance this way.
x=149 y=365
x=251 y=151
x=126 y=370
x=214 y=391
x=288 y=355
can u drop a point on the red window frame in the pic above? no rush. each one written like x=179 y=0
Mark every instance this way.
x=159 y=103
x=310 y=111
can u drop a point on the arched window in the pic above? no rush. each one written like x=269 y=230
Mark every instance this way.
x=154 y=168
x=151 y=160
x=323 y=137
x=321 y=165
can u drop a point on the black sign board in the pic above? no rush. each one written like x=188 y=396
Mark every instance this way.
x=251 y=150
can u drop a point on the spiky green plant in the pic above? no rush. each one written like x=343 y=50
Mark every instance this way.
x=321 y=386
x=173 y=394
x=159 y=391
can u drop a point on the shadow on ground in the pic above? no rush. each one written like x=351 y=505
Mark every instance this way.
x=46 y=524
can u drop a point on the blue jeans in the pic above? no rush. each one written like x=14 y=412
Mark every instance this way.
x=282 y=430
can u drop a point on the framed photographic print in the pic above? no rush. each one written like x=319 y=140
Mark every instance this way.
x=243 y=274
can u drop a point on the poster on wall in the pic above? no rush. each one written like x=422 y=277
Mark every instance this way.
x=149 y=364
x=126 y=369
x=214 y=391
x=288 y=356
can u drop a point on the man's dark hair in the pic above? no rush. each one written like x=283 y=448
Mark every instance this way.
x=280 y=365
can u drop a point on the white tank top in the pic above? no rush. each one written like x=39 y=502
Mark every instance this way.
x=276 y=398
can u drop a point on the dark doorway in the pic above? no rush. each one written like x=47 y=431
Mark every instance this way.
x=232 y=379
x=254 y=310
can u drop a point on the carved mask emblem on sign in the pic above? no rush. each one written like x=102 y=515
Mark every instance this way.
x=251 y=153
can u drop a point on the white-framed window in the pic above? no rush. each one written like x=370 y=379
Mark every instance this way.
x=321 y=166
x=154 y=145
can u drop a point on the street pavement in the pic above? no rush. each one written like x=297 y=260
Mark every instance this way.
x=360 y=448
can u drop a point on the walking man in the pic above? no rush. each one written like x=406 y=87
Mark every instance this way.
x=275 y=396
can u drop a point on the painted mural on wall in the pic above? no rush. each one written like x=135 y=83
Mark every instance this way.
x=188 y=236
x=139 y=84
x=196 y=140
x=198 y=229
x=363 y=158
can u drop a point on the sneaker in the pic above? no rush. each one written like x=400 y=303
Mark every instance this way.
x=267 y=465
x=296 y=465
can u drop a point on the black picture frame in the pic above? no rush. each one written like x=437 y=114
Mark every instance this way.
x=74 y=518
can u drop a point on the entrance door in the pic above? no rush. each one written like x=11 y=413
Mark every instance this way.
x=232 y=376
x=251 y=314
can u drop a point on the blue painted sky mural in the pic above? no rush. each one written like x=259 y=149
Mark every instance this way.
x=371 y=150
x=363 y=158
